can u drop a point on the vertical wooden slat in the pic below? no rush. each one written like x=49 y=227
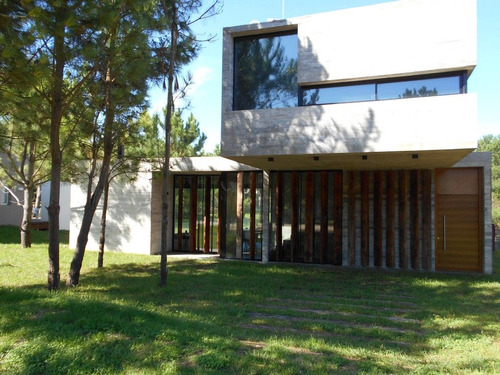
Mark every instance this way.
x=351 y=220
x=239 y=214
x=337 y=218
x=426 y=219
x=193 y=205
x=222 y=214
x=377 y=218
x=390 y=213
x=180 y=181
x=206 y=240
x=324 y=217
x=265 y=209
x=365 y=218
x=309 y=224
x=295 y=217
x=253 y=198
x=415 y=219
x=279 y=215
x=403 y=218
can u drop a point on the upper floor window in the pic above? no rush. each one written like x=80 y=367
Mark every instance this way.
x=397 y=88
x=265 y=71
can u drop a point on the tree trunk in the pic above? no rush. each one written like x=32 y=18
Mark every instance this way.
x=28 y=199
x=55 y=149
x=168 y=127
x=27 y=214
x=36 y=205
x=102 y=237
x=91 y=204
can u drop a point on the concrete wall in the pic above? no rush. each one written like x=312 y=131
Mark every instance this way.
x=402 y=38
x=399 y=38
x=128 y=220
x=483 y=159
x=12 y=213
x=64 y=202
x=433 y=123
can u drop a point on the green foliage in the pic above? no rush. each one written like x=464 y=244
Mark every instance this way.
x=491 y=143
x=215 y=152
x=219 y=317
x=186 y=138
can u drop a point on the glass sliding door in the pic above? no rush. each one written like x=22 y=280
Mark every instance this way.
x=306 y=217
x=196 y=213
x=243 y=215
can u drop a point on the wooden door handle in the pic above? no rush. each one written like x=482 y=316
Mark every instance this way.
x=444 y=232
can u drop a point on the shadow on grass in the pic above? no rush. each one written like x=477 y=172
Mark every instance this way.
x=10 y=234
x=118 y=320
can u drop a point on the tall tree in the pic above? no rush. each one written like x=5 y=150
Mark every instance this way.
x=124 y=69
x=186 y=138
x=183 y=46
x=52 y=36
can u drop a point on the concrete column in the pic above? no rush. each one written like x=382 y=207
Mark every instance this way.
x=265 y=217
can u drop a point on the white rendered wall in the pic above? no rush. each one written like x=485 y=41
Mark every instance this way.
x=399 y=38
x=12 y=213
x=64 y=203
x=128 y=226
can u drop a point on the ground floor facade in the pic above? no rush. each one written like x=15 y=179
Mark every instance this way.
x=421 y=219
x=410 y=219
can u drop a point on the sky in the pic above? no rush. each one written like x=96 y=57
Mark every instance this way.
x=205 y=92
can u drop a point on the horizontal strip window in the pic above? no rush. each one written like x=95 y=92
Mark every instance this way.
x=420 y=86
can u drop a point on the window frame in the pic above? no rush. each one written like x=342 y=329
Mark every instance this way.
x=236 y=39
x=461 y=75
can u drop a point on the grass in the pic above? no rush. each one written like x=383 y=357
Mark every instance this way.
x=9 y=234
x=228 y=317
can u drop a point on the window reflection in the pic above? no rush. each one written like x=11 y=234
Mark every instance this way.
x=265 y=71
x=339 y=94
x=394 y=89
x=419 y=88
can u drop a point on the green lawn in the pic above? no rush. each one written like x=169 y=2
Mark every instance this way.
x=228 y=317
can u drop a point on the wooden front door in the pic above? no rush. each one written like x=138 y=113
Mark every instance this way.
x=459 y=219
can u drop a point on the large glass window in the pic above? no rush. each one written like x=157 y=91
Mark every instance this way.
x=401 y=88
x=338 y=94
x=265 y=71
x=243 y=215
x=306 y=217
x=196 y=213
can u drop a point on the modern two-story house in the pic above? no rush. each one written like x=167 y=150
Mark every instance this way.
x=347 y=139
